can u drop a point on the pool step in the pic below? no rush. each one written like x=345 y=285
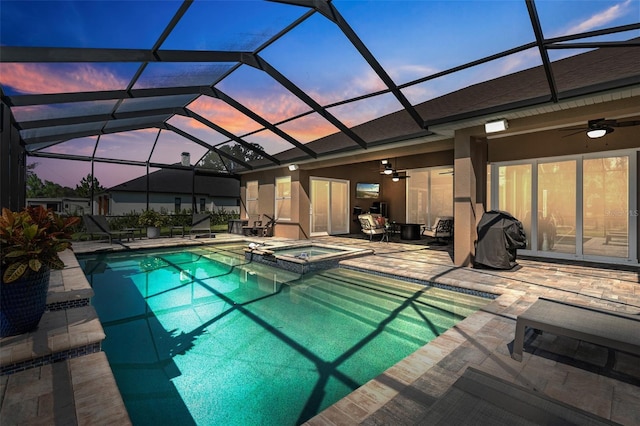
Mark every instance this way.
x=376 y=298
x=60 y=335
x=456 y=303
x=376 y=308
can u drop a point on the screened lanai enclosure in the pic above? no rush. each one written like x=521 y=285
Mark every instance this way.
x=118 y=89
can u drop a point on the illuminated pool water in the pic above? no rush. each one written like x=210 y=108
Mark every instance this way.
x=201 y=336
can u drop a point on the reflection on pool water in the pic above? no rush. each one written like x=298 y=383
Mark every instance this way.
x=202 y=336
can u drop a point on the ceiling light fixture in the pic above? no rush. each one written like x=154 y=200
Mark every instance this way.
x=599 y=132
x=388 y=169
x=293 y=167
x=384 y=161
x=496 y=126
x=396 y=177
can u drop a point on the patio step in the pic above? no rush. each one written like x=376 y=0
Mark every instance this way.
x=78 y=391
x=61 y=334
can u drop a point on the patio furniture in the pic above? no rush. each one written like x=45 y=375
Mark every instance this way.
x=606 y=328
x=478 y=398
x=177 y=228
x=254 y=226
x=234 y=226
x=442 y=228
x=410 y=231
x=98 y=225
x=201 y=223
x=373 y=224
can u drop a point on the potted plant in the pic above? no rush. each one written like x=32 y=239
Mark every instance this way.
x=30 y=241
x=153 y=221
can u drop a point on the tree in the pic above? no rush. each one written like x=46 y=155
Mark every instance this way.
x=35 y=187
x=84 y=188
x=213 y=161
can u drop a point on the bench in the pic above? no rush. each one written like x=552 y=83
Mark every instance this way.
x=610 y=329
x=622 y=236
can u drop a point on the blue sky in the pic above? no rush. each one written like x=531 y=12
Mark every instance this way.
x=411 y=39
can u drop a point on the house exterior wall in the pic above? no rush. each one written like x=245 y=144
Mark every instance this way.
x=473 y=151
x=68 y=206
x=393 y=193
x=126 y=202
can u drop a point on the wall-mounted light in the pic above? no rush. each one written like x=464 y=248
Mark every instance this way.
x=293 y=167
x=496 y=126
x=599 y=132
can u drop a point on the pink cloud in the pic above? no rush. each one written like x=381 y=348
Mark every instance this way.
x=223 y=115
x=58 y=78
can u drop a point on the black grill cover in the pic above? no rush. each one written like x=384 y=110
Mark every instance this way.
x=499 y=236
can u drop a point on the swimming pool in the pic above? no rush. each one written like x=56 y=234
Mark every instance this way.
x=201 y=336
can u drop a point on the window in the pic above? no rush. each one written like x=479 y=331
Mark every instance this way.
x=429 y=194
x=203 y=205
x=252 y=198
x=283 y=197
x=177 y=205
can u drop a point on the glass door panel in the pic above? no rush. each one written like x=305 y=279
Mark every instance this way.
x=320 y=202
x=606 y=206
x=514 y=195
x=329 y=206
x=429 y=194
x=556 y=228
x=339 y=207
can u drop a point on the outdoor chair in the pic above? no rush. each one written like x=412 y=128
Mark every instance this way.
x=177 y=229
x=267 y=230
x=442 y=228
x=373 y=224
x=201 y=223
x=98 y=225
x=254 y=227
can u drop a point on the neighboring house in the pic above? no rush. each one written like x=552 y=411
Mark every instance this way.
x=74 y=206
x=171 y=190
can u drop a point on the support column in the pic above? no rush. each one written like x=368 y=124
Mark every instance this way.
x=12 y=163
x=5 y=157
x=469 y=192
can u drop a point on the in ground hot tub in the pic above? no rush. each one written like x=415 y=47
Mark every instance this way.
x=303 y=258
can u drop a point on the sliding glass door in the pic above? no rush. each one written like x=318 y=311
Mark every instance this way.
x=586 y=205
x=329 y=206
x=429 y=194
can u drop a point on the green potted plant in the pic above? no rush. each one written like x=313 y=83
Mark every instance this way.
x=30 y=241
x=153 y=221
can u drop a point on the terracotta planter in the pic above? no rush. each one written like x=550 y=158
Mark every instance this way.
x=23 y=302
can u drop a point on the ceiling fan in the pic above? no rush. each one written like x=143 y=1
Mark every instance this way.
x=390 y=171
x=600 y=127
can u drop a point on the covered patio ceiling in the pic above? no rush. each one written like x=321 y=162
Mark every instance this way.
x=245 y=85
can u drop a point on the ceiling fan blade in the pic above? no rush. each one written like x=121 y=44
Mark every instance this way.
x=575 y=133
x=626 y=123
x=574 y=128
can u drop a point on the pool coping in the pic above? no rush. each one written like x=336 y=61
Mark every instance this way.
x=268 y=255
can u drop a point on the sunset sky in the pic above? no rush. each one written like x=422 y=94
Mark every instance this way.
x=410 y=39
